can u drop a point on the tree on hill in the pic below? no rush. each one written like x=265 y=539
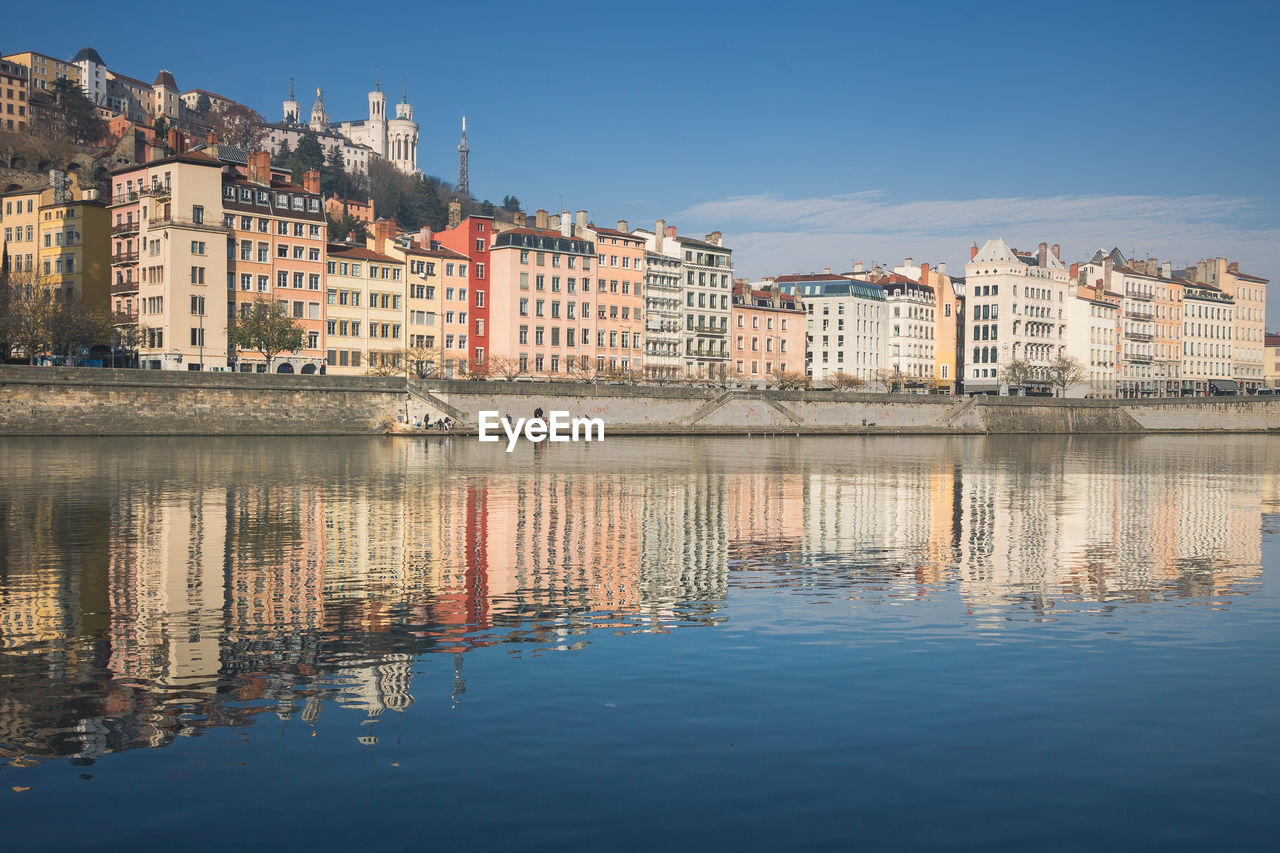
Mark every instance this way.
x=203 y=104
x=281 y=157
x=75 y=114
x=239 y=126
x=510 y=204
x=161 y=128
x=341 y=226
x=265 y=328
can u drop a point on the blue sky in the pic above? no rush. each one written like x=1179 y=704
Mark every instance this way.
x=811 y=134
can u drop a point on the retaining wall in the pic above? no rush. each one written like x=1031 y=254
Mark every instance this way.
x=86 y=401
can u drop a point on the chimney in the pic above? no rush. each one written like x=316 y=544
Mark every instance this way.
x=973 y=252
x=541 y=220
x=909 y=262
x=826 y=270
x=213 y=137
x=659 y=231
x=455 y=214
x=622 y=226
x=518 y=219
x=671 y=231
x=942 y=268
x=383 y=230
x=1106 y=272
x=424 y=236
x=1075 y=272
x=254 y=165
x=714 y=238
x=857 y=266
x=1055 y=248
x=1153 y=266
x=1166 y=269
x=566 y=224
x=1233 y=267
x=580 y=219
x=924 y=272
x=174 y=140
x=1042 y=255
x=310 y=179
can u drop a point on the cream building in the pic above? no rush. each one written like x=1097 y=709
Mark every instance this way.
x=845 y=323
x=393 y=139
x=1017 y=309
x=365 y=311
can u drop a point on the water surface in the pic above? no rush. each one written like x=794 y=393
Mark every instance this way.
x=641 y=644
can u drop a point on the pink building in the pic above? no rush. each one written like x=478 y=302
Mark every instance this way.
x=619 y=308
x=767 y=329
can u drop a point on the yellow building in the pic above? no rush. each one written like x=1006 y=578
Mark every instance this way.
x=60 y=235
x=13 y=95
x=365 y=311
x=43 y=70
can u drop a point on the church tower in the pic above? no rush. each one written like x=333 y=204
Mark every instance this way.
x=377 y=136
x=292 y=109
x=319 y=118
x=402 y=137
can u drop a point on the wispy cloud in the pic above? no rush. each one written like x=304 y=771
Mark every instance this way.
x=771 y=234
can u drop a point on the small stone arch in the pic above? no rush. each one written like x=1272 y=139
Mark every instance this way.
x=308 y=368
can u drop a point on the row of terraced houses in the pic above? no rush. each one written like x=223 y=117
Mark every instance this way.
x=187 y=241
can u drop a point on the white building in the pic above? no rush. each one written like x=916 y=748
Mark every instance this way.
x=394 y=140
x=910 y=327
x=1016 y=306
x=1092 y=334
x=845 y=324
x=662 y=289
x=706 y=291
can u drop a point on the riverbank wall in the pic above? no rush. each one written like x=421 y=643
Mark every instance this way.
x=87 y=401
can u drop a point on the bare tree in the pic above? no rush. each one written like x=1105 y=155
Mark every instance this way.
x=890 y=378
x=793 y=379
x=421 y=362
x=240 y=126
x=36 y=321
x=846 y=382
x=1065 y=372
x=1018 y=373
x=507 y=367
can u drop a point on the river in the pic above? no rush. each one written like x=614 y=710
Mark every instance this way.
x=641 y=643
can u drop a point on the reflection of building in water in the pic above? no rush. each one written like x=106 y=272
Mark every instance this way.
x=167 y=596
x=1077 y=523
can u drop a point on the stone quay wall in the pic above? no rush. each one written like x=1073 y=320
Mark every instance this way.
x=88 y=401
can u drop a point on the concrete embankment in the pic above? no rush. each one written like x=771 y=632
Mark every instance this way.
x=84 y=401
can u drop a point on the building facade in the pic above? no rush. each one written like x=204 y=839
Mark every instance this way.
x=365 y=311
x=768 y=329
x=845 y=324
x=13 y=95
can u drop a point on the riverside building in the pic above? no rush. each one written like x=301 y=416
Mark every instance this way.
x=768 y=332
x=845 y=320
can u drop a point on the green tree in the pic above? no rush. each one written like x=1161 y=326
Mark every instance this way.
x=77 y=113
x=309 y=152
x=203 y=104
x=333 y=175
x=281 y=157
x=161 y=127
x=341 y=226
x=510 y=204
x=267 y=329
x=487 y=208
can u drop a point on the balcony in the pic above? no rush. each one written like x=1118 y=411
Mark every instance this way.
x=184 y=222
x=1138 y=336
x=130 y=227
x=125 y=258
x=1140 y=314
x=1132 y=293
x=123 y=198
x=124 y=287
x=157 y=191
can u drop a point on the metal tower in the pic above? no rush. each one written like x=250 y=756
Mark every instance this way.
x=463 y=151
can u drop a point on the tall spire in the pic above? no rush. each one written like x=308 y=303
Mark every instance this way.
x=291 y=88
x=377 y=78
x=463 y=152
x=405 y=98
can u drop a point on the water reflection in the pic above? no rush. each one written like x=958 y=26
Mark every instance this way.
x=153 y=589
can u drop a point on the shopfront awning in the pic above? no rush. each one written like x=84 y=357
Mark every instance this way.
x=1223 y=386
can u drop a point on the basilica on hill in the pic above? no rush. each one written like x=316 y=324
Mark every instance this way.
x=393 y=139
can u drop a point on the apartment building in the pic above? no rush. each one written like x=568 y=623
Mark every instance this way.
x=1272 y=361
x=910 y=328
x=436 y=301
x=845 y=323
x=472 y=238
x=619 y=301
x=1248 y=294
x=542 y=314
x=1093 y=339
x=662 y=288
x=13 y=95
x=365 y=311
x=58 y=232
x=1208 y=340
x=1016 y=304
x=169 y=260
x=768 y=329
x=275 y=246
x=43 y=70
